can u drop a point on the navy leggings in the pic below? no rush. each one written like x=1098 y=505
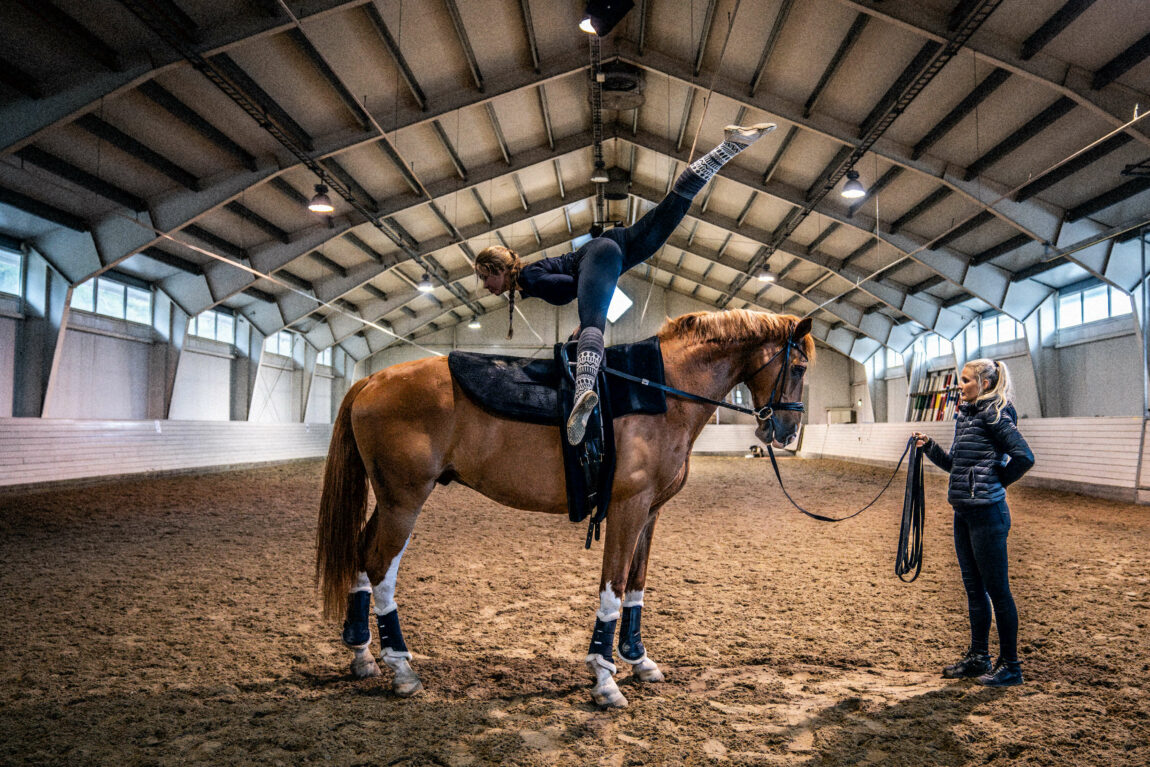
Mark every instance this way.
x=980 y=543
x=606 y=257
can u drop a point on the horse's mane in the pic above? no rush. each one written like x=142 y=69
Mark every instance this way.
x=734 y=326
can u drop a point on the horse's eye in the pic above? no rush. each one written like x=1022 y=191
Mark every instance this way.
x=798 y=372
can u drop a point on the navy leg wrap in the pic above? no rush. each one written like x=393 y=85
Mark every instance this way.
x=602 y=639
x=630 y=643
x=390 y=636
x=357 y=627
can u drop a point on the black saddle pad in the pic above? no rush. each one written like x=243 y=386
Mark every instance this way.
x=524 y=389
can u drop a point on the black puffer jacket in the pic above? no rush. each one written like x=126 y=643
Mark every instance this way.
x=985 y=457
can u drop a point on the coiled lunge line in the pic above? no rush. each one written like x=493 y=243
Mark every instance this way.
x=909 y=554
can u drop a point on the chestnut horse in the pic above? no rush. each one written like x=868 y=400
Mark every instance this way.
x=409 y=426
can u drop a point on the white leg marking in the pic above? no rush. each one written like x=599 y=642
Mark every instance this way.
x=361 y=583
x=609 y=605
x=633 y=599
x=385 y=590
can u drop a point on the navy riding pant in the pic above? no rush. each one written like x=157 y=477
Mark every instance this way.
x=980 y=543
x=606 y=257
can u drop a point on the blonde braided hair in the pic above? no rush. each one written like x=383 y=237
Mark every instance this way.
x=496 y=259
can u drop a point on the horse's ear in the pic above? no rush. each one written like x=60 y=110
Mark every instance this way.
x=802 y=328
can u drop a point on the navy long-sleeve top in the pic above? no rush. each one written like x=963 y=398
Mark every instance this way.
x=555 y=280
x=985 y=457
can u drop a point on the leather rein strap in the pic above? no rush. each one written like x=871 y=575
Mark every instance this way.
x=909 y=555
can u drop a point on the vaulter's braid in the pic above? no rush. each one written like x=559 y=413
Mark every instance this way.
x=511 y=313
x=513 y=275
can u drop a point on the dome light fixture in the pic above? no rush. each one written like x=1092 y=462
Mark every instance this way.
x=321 y=203
x=853 y=189
x=425 y=285
x=766 y=276
x=599 y=175
x=474 y=324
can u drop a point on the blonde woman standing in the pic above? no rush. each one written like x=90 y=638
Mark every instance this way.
x=591 y=272
x=988 y=453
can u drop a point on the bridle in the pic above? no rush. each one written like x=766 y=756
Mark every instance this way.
x=766 y=414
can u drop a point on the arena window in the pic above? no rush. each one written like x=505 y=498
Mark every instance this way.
x=324 y=357
x=10 y=271
x=280 y=343
x=936 y=346
x=113 y=298
x=218 y=326
x=1080 y=305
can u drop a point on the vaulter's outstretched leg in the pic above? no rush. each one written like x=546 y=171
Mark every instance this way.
x=636 y=243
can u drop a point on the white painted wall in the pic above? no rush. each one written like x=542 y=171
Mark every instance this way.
x=277 y=391
x=202 y=389
x=1100 y=377
x=319 y=400
x=7 y=364
x=100 y=376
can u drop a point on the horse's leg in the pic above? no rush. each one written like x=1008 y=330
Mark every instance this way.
x=624 y=523
x=357 y=629
x=384 y=542
x=631 y=648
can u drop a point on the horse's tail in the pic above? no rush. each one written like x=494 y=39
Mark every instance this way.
x=342 y=511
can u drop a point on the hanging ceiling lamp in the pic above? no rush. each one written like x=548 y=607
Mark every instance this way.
x=766 y=276
x=601 y=16
x=321 y=203
x=852 y=189
x=474 y=324
x=599 y=175
x=425 y=285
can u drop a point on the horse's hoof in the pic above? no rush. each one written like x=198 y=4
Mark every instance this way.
x=609 y=698
x=407 y=687
x=648 y=673
x=364 y=668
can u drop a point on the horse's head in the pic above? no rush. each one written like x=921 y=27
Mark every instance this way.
x=776 y=383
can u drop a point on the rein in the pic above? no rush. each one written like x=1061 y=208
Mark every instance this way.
x=909 y=554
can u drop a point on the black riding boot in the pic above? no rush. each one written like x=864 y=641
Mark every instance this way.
x=972 y=664
x=1006 y=673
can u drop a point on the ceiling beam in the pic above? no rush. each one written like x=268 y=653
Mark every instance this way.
x=128 y=145
x=465 y=43
x=845 y=47
x=1053 y=27
x=1061 y=77
x=181 y=111
x=82 y=178
x=317 y=60
x=90 y=44
x=242 y=82
x=392 y=46
x=529 y=29
x=989 y=85
x=1069 y=168
x=1040 y=122
x=1122 y=63
x=1106 y=199
x=769 y=46
x=45 y=211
